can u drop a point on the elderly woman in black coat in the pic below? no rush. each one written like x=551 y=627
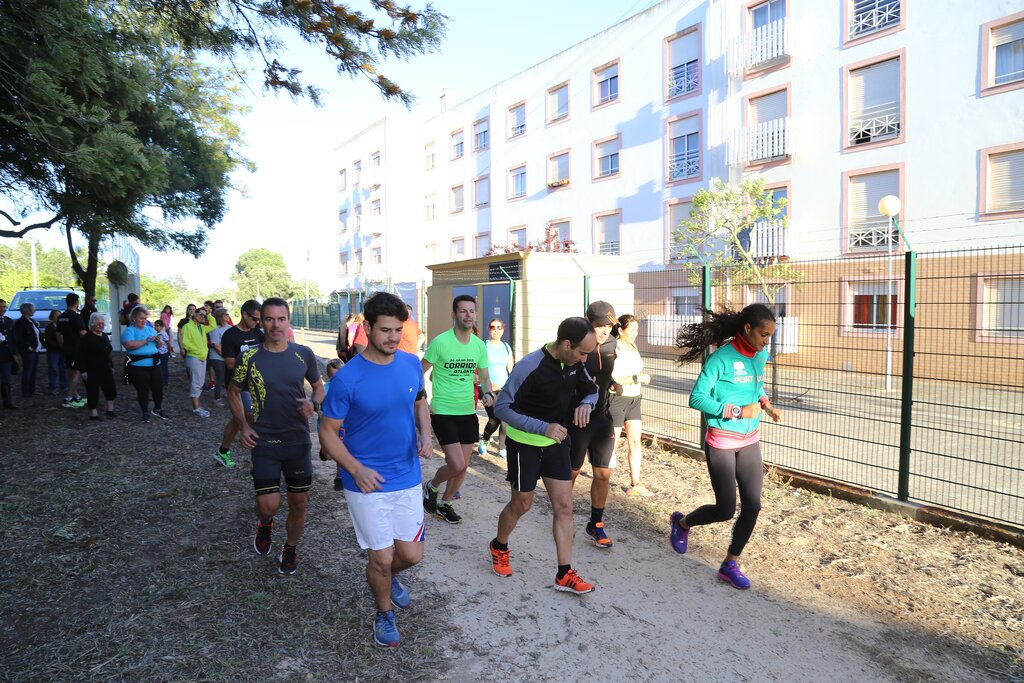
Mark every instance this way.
x=96 y=366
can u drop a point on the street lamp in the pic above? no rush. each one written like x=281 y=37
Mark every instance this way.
x=889 y=206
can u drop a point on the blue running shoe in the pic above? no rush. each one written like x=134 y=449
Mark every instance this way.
x=399 y=595
x=680 y=537
x=731 y=574
x=385 y=633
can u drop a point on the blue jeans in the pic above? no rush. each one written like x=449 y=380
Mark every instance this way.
x=29 y=366
x=57 y=371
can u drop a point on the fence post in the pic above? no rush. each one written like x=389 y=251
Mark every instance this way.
x=705 y=302
x=907 y=398
x=586 y=291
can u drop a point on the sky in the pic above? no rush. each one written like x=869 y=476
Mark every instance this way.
x=290 y=201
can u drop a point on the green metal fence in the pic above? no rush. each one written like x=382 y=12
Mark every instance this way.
x=316 y=314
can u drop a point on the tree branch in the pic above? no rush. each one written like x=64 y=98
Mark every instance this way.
x=27 y=228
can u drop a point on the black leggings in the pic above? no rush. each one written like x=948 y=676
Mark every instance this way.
x=492 y=423
x=99 y=379
x=728 y=468
x=146 y=380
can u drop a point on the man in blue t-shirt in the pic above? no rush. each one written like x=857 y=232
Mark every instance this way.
x=378 y=398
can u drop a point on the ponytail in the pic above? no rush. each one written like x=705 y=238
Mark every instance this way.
x=716 y=328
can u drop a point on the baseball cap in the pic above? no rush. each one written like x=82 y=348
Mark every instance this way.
x=601 y=313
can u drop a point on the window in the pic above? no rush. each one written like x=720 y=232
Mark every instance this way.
x=458 y=248
x=483 y=244
x=457 y=199
x=431 y=212
x=1004 y=185
x=1003 y=311
x=606 y=84
x=606 y=236
x=755 y=295
x=558 y=103
x=875 y=305
x=342 y=182
x=517 y=237
x=767 y=12
x=375 y=158
x=342 y=221
x=359 y=260
x=684 y=149
x=685 y=301
x=357 y=170
x=375 y=256
x=559 y=230
x=558 y=169
x=683 y=73
x=375 y=207
x=677 y=213
x=606 y=157
x=429 y=154
x=869 y=16
x=482 y=191
x=481 y=134
x=1003 y=56
x=359 y=216
x=868 y=230
x=768 y=134
x=874 y=103
x=458 y=149
x=517 y=120
x=517 y=182
x=343 y=263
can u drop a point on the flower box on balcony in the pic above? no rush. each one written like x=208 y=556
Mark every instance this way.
x=561 y=182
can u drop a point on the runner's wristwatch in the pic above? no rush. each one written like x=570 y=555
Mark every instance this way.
x=736 y=411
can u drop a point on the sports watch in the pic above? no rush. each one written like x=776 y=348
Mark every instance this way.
x=736 y=411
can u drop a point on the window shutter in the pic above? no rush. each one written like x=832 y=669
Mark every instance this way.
x=769 y=108
x=607 y=147
x=683 y=49
x=1007 y=34
x=1006 y=181
x=864 y=193
x=875 y=88
x=683 y=127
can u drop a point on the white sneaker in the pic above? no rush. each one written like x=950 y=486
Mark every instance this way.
x=200 y=412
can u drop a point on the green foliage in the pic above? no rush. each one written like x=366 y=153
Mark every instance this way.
x=261 y=273
x=174 y=291
x=717 y=230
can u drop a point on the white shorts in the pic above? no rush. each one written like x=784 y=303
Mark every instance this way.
x=381 y=518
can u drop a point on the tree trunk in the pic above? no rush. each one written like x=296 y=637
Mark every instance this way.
x=86 y=275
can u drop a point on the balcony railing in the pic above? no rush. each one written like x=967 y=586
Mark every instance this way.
x=762 y=142
x=517 y=130
x=880 y=122
x=760 y=48
x=684 y=79
x=873 y=234
x=684 y=165
x=873 y=15
x=608 y=248
x=765 y=240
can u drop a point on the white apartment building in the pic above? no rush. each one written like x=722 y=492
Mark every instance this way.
x=835 y=103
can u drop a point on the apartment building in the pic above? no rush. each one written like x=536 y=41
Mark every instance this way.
x=835 y=103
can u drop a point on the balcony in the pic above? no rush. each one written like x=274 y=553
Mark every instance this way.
x=761 y=48
x=684 y=165
x=684 y=79
x=764 y=142
x=881 y=122
x=765 y=241
x=873 y=15
x=872 y=235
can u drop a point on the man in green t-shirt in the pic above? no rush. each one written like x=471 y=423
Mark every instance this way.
x=455 y=356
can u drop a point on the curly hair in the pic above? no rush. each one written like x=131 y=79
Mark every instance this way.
x=716 y=328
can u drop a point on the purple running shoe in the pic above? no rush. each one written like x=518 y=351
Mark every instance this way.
x=731 y=574
x=680 y=536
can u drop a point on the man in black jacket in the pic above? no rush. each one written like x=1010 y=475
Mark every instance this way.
x=6 y=355
x=26 y=335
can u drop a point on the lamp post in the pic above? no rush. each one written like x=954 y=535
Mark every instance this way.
x=889 y=206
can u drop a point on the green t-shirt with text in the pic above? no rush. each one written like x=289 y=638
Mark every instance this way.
x=452 y=377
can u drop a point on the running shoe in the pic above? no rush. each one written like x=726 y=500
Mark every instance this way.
x=200 y=412
x=287 y=559
x=145 y=417
x=95 y=418
x=639 y=491
x=79 y=402
x=159 y=412
x=572 y=583
x=385 y=632
x=68 y=402
x=499 y=561
x=597 y=534
x=731 y=574
x=430 y=498
x=457 y=495
x=224 y=458
x=261 y=541
x=399 y=595
x=680 y=537
x=503 y=454
x=445 y=512
x=482 y=448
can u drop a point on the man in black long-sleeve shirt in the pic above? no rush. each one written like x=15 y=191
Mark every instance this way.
x=535 y=406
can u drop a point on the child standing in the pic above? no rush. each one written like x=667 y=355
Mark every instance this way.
x=163 y=345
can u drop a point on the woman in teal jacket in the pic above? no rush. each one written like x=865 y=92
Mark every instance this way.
x=730 y=394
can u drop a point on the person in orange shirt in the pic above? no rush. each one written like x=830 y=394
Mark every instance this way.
x=411 y=334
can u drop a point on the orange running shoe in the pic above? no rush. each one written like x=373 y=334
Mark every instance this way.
x=572 y=583
x=499 y=562
x=598 y=535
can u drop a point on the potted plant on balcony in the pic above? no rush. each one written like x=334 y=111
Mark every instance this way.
x=561 y=182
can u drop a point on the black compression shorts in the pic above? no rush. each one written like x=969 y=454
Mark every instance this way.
x=527 y=464
x=270 y=462
x=452 y=429
x=597 y=439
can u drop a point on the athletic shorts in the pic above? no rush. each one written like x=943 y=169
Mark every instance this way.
x=597 y=439
x=624 y=409
x=70 y=358
x=381 y=518
x=451 y=429
x=270 y=462
x=527 y=464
